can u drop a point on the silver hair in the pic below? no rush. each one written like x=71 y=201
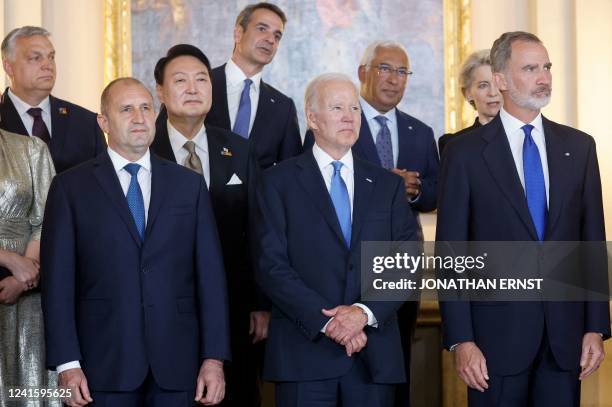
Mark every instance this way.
x=313 y=88
x=472 y=62
x=502 y=48
x=370 y=51
x=8 y=44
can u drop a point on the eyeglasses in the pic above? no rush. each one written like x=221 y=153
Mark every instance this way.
x=386 y=70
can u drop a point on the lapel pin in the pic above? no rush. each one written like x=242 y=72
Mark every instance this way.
x=567 y=154
x=409 y=127
x=368 y=179
x=226 y=152
x=272 y=100
x=63 y=110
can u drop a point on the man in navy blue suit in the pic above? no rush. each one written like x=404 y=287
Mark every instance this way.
x=133 y=288
x=523 y=178
x=316 y=209
x=27 y=107
x=242 y=101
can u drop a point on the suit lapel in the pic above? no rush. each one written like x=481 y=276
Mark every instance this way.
x=9 y=118
x=559 y=170
x=498 y=158
x=161 y=144
x=265 y=110
x=220 y=97
x=221 y=168
x=405 y=142
x=159 y=189
x=364 y=185
x=365 y=147
x=312 y=181
x=59 y=125
x=106 y=176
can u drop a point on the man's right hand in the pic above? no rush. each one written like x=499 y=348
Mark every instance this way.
x=471 y=366
x=75 y=381
x=356 y=343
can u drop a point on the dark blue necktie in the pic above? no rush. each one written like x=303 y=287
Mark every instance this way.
x=135 y=200
x=342 y=205
x=535 y=188
x=243 y=117
x=383 y=143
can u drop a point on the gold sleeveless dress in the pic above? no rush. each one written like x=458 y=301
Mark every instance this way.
x=26 y=171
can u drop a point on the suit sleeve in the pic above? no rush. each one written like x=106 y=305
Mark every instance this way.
x=99 y=139
x=429 y=179
x=597 y=313
x=211 y=284
x=291 y=144
x=279 y=281
x=58 y=273
x=453 y=226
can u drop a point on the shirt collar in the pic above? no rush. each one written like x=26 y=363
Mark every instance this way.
x=119 y=161
x=235 y=77
x=512 y=124
x=177 y=140
x=370 y=113
x=22 y=107
x=324 y=160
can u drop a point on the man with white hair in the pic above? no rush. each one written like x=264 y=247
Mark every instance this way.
x=316 y=209
x=27 y=107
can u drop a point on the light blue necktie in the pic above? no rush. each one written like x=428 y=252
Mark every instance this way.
x=340 y=199
x=243 y=117
x=383 y=143
x=535 y=188
x=134 y=199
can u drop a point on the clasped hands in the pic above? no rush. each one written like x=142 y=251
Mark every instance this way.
x=25 y=274
x=346 y=327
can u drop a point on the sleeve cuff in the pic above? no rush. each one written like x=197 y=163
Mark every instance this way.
x=75 y=364
x=372 y=321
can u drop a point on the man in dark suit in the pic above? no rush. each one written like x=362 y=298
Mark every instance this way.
x=243 y=102
x=133 y=289
x=316 y=209
x=222 y=157
x=523 y=178
x=27 y=107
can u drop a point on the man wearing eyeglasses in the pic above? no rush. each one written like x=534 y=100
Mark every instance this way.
x=401 y=144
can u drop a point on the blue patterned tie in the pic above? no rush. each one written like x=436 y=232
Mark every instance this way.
x=383 y=143
x=340 y=199
x=243 y=117
x=134 y=199
x=535 y=188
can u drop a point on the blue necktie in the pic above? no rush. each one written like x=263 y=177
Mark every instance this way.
x=243 y=117
x=134 y=199
x=340 y=199
x=535 y=188
x=383 y=143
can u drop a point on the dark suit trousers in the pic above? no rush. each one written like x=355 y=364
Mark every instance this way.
x=406 y=318
x=354 y=389
x=543 y=385
x=149 y=394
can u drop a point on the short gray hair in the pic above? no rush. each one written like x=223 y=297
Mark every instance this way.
x=502 y=48
x=313 y=88
x=8 y=44
x=473 y=61
x=105 y=97
x=370 y=51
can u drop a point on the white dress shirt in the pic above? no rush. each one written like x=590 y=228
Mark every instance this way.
x=177 y=141
x=27 y=120
x=144 y=179
x=516 y=137
x=370 y=113
x=234 y=81
x=347 y=172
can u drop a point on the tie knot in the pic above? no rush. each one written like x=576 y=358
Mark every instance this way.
x=35 y=112
x=190 y=146
x=247 y=83
x=527 y=129
x=132 y=168
x=382 y=120
x=337 y=166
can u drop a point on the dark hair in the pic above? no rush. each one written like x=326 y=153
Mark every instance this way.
x=175 y=52
x=502 y=47
x=245 y=15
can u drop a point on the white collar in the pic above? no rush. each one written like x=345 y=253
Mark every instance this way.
x=22 y=107
x=370 y=113
x=323 y=159
x=512 y=124
x=177 y=140
x=119 y=161
x=235 y=77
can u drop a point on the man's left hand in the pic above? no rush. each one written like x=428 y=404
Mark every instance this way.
x=211 y=382
x=258 y=325
x=348 y=321
x=412 y=182
x=592 y=353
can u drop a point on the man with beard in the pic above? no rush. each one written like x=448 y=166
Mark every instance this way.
x=523 y=178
